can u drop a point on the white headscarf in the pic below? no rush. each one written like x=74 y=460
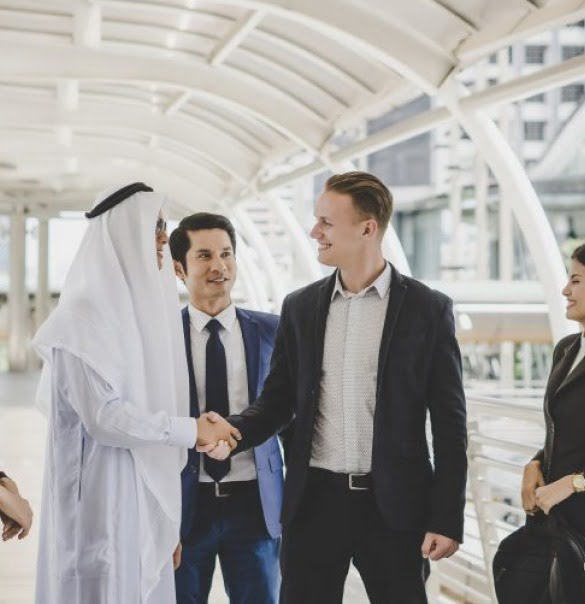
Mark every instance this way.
x=120 y=314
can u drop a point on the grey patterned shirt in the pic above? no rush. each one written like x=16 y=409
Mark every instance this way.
x=344 y=421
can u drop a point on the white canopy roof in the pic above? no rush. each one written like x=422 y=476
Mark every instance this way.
x=203 y=98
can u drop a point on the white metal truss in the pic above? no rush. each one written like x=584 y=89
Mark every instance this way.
x=207 y=98
x=516 y=186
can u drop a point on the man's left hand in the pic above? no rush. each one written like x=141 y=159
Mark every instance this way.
x=437 y=546
x=552 y=494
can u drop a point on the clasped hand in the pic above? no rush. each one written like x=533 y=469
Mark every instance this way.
x=536 y=495
x=15 y=511
x=216 y=436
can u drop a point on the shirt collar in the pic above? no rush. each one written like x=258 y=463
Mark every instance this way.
x=381 y=285
x=199 y=319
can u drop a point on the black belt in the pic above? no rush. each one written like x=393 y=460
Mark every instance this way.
x=227 y=489
x=351 y=482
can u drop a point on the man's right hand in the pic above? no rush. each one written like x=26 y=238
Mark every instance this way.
x=531 y=480
x=211 y=428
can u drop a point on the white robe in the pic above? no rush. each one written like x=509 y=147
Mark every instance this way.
x=89 y=550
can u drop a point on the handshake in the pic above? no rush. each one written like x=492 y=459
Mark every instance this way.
x=216 y=436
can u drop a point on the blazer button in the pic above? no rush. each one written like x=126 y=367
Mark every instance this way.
x=193 y=468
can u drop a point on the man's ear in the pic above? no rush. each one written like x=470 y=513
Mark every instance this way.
x=179 y=271
x=370 y=228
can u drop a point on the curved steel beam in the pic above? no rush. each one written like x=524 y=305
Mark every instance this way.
x=135 y=154
x=556 y=158
x=526 y=206
x=257 y=241
x=253 y=283
x=393 y=42
x=305 y=252
x=226 y=155
x=140 y=162
x=393 y=251
x=25 y=62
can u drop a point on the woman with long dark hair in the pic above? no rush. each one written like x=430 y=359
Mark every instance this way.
x=554 y=478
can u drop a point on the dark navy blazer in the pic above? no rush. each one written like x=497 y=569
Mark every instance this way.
x=258 y=331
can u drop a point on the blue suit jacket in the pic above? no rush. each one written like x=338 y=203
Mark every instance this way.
x=258 y=331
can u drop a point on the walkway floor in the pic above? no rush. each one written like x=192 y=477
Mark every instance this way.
x=22 y=447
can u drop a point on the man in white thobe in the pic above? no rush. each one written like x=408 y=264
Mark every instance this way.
x=118 y=416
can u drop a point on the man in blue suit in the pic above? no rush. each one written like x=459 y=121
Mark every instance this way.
x=231 y=508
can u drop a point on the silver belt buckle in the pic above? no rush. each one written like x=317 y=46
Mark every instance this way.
x=218 y=492
x=352 y=487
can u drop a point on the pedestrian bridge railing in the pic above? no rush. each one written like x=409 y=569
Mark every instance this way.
x=504 y=433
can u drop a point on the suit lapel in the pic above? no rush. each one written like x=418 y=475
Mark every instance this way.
x=567 y=362
x=251 y=339
x=398 y=289
x=323 y=303
x=193 y=399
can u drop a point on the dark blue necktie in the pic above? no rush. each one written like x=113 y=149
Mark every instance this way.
x=216 y=392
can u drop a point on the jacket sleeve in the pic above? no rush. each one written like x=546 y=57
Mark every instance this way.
x=273 y=410
x=449 y=430
x=112 y=421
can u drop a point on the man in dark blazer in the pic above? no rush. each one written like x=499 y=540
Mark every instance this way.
x=231 y=508
x=360 y=358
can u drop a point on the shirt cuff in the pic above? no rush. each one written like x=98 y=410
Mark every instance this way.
x=183 y=432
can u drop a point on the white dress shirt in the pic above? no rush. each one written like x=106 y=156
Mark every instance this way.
x=243 y=466
x=580 y=355
x=344 y=420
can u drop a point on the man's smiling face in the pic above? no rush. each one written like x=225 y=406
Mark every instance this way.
x=338 y=229
x=211 y=265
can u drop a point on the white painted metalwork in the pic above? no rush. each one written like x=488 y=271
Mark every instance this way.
x=525 y=205
x=503 y=435
x=393 y=251
x=256 y=240
x=17 y=295
x=210 y=99
x=306 y=255
x=42 y=297
x=256 y=295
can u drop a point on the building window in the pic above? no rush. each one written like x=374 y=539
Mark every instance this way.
x=569 y=52
x=493 y=58
x=536 y=98
x=572 y=93
x=534 y=55
x=534 y=131
x=492 y=81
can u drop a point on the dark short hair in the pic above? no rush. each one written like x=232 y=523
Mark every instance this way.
x=579 y=254
x=370 y=196
x=179 y=241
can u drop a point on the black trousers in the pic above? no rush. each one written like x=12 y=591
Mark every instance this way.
x=335 y=527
